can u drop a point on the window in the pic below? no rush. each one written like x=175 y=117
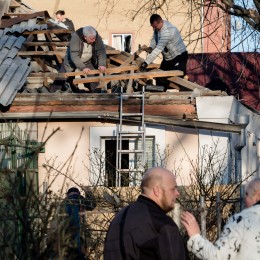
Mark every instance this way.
x=122 y=42
x=103 y=144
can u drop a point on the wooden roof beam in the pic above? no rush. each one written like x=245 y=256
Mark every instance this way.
x=44 y=43
x=56 y=31
x=92 y=72
x=140 y=75
x=185 y=83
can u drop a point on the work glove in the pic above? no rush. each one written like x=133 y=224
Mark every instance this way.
x=149 y=49
x=143 y=67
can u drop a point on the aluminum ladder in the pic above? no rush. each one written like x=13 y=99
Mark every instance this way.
x=137 y=136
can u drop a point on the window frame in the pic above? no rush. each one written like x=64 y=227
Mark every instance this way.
x=124 y=35
x=98 y=135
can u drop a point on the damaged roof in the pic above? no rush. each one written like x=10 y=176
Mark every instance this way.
x=20 y=38
x=13 y=69
x=28 y=25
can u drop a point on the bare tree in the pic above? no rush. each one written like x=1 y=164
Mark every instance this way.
x=241 y=16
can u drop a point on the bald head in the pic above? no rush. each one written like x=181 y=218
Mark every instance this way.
x=252 y=195
x=159 y=185
x=152 y=176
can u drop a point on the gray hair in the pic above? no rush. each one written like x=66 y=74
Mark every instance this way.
x=89 y=31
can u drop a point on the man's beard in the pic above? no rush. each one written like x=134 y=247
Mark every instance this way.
x=164 y=205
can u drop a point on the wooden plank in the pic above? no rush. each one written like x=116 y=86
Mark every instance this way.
x=40 y=53
x=92 y=72
x=174 y=110
x=54 y=48
x=44 y=43
x=16 y=14
x=112 y=52
x=129 y=88
x=56 y=31
x=133 y=56
x=185 y=83
x=41 y=63
x=62 y=44
x=29 y=38
x=142 y=75
x=119 y=58
x=194 y=124
x=5 y=23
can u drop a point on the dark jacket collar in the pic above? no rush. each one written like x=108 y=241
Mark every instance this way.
x=146 y=200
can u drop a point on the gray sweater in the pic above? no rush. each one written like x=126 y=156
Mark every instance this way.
x=170 y=43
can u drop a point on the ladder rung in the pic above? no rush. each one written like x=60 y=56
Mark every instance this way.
x=132 y=114
x=130 y=151
x=129 y=170
x=131 y=132
x=133 y=95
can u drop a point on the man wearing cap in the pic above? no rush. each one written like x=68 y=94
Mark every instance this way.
x=86 y=52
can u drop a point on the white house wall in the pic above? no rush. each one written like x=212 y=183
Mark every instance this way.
x=250 y=153
x=224 y=110
x=61 y=145
x=65 y=151
x=183 y=142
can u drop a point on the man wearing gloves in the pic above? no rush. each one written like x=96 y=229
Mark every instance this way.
x=166 y=40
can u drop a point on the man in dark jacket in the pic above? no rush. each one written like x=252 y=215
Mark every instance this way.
x=74 y=205
x=86 y=52
x=65 y=23
x=143 y=230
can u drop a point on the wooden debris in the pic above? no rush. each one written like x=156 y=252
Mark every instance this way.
x=185 y=83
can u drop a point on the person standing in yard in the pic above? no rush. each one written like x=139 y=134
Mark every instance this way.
x=75 y=204
x=168 y=41
x=240 y=238
x=142 y=230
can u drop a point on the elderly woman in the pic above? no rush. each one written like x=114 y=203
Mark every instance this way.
x=240 y=238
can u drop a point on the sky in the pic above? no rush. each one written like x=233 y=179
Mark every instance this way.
x=243 y=37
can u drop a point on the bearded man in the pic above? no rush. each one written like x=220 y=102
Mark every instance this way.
x=142 y=230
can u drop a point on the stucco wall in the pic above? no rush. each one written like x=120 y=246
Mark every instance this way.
x=183 y=144
x=63 y=160
x=66 y=153
x=92 y=12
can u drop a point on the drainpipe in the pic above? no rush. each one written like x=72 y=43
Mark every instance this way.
x=258 y=156
x=243 y=120
x=202 y=26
